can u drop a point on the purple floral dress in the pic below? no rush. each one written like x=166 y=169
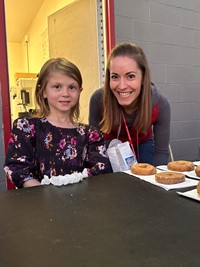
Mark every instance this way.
x=37 y=148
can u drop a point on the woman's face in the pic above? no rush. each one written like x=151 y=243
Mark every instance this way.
x=62 y=92
x=125 y=80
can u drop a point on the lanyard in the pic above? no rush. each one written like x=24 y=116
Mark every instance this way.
x=129 y=137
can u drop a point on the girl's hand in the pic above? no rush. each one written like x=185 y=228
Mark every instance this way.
x=31 y=182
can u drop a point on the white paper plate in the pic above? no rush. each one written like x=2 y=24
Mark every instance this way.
x=191 y=194
x=151 y=179
x=190 y=174
x=196 y=163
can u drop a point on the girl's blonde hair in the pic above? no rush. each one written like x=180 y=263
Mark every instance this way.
x=111 y=108
x=56 y=65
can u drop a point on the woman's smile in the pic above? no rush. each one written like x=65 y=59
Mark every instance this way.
x=125 y=79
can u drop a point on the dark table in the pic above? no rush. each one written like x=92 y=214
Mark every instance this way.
x=108 y=220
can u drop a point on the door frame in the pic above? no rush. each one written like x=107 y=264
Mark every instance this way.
x=4 y=81
x=110 y=25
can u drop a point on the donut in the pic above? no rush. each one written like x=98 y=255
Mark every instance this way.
x=197 y=170
x=198 y=188
x=180 y=166
x=143 y=169
x=169 y=177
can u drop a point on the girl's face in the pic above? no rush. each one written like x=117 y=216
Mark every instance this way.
x=125 y=80
x=62 y=92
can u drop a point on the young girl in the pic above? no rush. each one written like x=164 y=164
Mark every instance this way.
x=55 y=144
x=130 y=107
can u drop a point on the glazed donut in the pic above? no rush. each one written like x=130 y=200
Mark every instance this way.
x=180 y=166
x=197 y=170
x=143 y=169
x=169 y=177
x=198 y=188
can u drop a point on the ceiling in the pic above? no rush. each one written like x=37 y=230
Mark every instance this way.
x=19 y=16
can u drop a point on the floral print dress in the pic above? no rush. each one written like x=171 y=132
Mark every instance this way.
x=37 y=148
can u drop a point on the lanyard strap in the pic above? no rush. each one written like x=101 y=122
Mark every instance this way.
x=129 y=137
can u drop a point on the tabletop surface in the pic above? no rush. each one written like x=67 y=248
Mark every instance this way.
x=108 y=220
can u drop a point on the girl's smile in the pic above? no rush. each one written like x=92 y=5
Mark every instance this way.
x=62 y=93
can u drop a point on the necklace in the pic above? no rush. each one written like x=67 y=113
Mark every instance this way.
x=129 y=137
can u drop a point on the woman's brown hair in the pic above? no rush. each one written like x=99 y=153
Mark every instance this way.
x=111 y=109
x=56 y=65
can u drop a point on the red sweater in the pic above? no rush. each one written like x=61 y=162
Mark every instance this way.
x=133 y=132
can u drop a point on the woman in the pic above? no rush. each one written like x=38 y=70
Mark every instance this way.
x=56 y=143
x=130 y=107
